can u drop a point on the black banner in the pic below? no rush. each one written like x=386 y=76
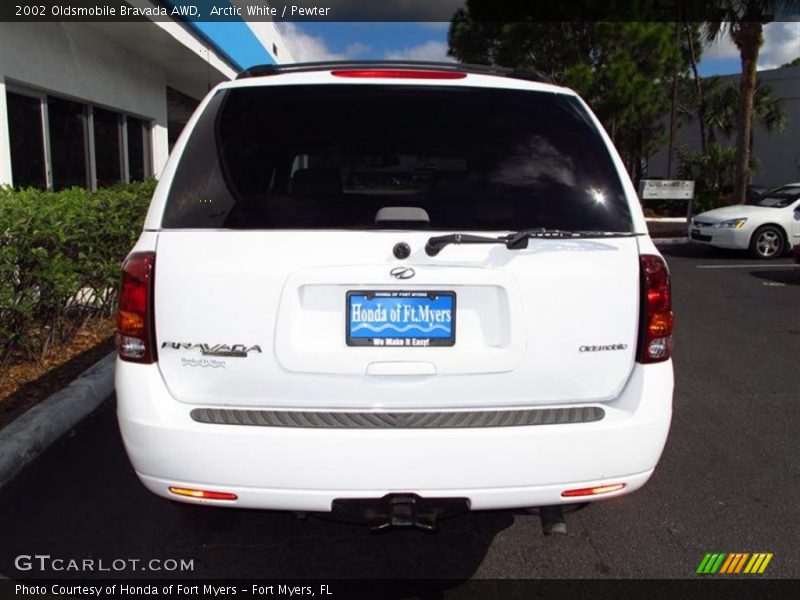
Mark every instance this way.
x=483 y=589
x=370 y=10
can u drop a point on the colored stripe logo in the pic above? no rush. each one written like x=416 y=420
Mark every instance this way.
x=734 y=563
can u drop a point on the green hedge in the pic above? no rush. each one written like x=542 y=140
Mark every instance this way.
x=60 y=256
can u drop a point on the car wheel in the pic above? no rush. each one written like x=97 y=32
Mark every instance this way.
x=767 y=243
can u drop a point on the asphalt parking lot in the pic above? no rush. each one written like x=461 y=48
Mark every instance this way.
x=727 y=481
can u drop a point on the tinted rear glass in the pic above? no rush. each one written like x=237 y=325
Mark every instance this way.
x=330 y=157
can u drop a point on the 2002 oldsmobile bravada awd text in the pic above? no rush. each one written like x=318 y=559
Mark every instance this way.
x=375 y=282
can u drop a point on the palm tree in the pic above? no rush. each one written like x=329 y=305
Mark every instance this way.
x=768 y=110
x=721 y=110
x=743 y=21
x=714 y=107
x=714 y=166
x=692 y=31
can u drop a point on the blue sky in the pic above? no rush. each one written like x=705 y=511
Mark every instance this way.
x=237 y=41
x=428 y=41
x=781 y=45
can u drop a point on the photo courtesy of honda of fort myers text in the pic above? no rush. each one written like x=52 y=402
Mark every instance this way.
x=174 y=590
x=339 y=299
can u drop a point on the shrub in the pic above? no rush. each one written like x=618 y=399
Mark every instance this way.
x=712 y=172
x=649 y=213
x=60 y=255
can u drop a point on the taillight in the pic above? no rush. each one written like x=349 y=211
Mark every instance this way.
x=135 y=328
x=398 y=74
x=655 y=341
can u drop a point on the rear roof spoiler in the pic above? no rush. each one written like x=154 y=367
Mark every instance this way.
x=267 y=70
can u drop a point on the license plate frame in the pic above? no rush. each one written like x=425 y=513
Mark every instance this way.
x=439 y=333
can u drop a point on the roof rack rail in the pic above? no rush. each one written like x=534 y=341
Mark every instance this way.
x=266 y=70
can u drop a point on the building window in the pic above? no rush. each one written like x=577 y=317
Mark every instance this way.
x=136 y=149
x=107 y=146
x=58 y=143
x=27 y=141
x=68 y=137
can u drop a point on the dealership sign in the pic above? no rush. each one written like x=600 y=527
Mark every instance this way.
x=666 y=189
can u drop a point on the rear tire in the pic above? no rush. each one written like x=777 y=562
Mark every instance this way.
x=767 y=243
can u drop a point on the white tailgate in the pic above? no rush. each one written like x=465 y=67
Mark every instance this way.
x=522 y=318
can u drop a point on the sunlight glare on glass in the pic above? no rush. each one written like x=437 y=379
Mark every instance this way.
x=598 y=195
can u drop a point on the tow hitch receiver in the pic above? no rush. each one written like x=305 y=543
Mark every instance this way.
x=398 y=510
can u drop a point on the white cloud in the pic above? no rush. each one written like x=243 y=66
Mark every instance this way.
x=309 y=48
x=356 y=49
x=304 y=47
x=781 y=45
x=431 y=51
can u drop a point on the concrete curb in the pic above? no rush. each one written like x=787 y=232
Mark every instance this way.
x=665 y=219
x=28 y=436
x=670 y=241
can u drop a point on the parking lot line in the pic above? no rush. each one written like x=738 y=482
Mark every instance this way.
x=758 y=266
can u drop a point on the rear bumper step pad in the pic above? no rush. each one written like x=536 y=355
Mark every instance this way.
x=398 y=420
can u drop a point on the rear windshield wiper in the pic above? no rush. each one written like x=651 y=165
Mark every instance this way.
x=519 y=239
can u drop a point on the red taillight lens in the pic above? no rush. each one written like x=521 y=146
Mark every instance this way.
x=135 y=333
x=397 y=74
x=202 y=494
x=593 y=491
x=657 y=319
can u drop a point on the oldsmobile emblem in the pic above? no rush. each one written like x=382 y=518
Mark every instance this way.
x=402 y=272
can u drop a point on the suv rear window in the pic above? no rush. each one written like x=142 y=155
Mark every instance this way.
x=331 y=156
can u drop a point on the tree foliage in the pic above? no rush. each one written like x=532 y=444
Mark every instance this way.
x=716 y=106
x=722 y=104
x=712 y=171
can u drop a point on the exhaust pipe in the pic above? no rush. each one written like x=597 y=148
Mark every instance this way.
x=553 y=521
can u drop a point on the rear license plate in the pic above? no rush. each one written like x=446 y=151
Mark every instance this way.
x=393 y=318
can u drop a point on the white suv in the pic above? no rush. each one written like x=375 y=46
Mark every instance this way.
x=390 y=283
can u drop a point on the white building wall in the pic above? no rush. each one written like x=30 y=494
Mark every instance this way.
x=73 y=61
